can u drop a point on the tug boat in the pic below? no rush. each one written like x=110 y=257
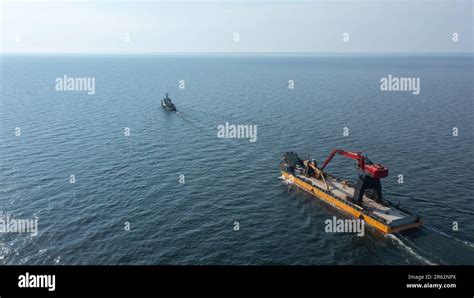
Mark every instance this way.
x=167 y=104
x=363 y=200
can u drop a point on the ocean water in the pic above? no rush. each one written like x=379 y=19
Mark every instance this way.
x=135 y=178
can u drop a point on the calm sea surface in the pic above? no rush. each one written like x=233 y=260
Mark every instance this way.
x=135 y=179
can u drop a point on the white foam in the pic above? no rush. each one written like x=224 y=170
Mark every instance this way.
x=449 y=236
x=409 y=250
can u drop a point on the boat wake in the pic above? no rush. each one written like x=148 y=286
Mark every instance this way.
x=470 y=244
x=410 y=250
x=193 y=122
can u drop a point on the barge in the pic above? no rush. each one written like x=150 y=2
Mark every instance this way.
x=363 y=200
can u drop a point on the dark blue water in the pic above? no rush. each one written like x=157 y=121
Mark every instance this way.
x=135 y=179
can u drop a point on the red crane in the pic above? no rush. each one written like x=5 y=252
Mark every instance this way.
x=376 y=171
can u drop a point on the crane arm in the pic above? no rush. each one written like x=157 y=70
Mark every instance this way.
x=352 y=155
x=374 y=170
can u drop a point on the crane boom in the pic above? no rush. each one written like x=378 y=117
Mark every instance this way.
x=374 y=170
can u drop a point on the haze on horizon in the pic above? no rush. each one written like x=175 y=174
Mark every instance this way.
x=211 y=27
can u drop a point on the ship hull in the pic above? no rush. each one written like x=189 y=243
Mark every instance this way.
x=354 y=210
x=170 y=108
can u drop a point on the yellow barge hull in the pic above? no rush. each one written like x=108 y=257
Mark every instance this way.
x=378 y=222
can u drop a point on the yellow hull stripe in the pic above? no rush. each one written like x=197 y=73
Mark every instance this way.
x=353 y=211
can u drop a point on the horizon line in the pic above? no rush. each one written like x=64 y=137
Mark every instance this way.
x=236 y=53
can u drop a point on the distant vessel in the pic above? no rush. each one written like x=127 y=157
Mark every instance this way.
x=363 y=200
x=167 y=104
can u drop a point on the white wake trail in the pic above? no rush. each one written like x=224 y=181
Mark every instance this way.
x=449 y=236
x=411 y=251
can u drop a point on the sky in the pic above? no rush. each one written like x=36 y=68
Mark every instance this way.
x=328 y=26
